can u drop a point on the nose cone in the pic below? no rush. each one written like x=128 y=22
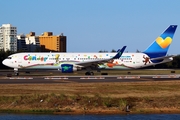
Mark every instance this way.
x=5 y=62
x=10 y=63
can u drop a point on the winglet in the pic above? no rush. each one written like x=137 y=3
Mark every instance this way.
x=119 y=53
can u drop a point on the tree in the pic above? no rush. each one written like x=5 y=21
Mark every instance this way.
x=113 y=50
x=103 y=51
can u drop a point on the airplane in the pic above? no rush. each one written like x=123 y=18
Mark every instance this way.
x=64 y=62
x=155 y=54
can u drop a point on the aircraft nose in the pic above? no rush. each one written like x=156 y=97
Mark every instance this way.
x=4 y=62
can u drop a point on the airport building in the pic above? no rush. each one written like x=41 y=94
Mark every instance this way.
x=8 y=39
x=50 y=42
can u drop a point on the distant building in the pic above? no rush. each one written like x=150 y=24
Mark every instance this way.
x=21 y=43
x=49 y=42
x=8 y=40
x=32 y=42
x=29 y=43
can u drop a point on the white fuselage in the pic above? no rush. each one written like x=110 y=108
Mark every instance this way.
x=54 y=60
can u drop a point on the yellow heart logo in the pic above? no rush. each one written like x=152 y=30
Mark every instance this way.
x=163 y=43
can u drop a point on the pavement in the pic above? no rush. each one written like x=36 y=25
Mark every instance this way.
x=7 y=78
x=44 y=79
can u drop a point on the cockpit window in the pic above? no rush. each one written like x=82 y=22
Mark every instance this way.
x=9 y=58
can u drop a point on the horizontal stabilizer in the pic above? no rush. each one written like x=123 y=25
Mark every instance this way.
x=162 y=58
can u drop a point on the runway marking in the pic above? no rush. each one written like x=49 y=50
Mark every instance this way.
x=128 y=77
x=92 y=78
x=167 y=76
x=56 y=78
x=21 y=78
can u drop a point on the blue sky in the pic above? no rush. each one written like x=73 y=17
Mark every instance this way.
x=94 y=25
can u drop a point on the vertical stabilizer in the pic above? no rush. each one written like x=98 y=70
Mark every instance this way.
x=161 y=45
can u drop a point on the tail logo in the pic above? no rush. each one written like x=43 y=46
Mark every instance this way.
x=163 y=43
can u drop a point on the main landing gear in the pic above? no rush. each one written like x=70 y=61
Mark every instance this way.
x=89 y=73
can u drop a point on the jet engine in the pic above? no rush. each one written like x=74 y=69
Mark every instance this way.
x=68 y=68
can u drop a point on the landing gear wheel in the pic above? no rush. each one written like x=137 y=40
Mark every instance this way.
x=16 y=73
x=89 y=73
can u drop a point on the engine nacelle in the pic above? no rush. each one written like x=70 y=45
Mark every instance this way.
x=68 y=68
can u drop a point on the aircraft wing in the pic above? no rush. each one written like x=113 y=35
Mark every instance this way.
x=165 y=57
x=95 y=62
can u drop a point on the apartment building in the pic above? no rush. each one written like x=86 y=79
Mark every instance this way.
x=21 y=43
x=8 y=39
x=50 y=42
x=32 y=42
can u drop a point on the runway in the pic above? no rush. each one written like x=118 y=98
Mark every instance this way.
x=85 y=79
x=41 y=77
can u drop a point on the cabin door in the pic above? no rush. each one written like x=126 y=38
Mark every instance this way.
x=19 y=61
x=138 y=59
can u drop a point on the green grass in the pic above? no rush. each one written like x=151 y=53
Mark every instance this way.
x=69 y=97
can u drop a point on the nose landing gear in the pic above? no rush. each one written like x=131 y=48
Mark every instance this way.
x=16 y=73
